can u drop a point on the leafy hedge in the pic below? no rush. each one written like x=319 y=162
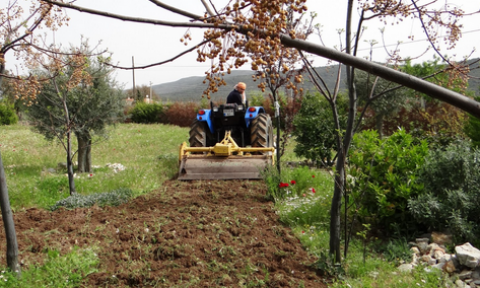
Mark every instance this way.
x=383 y=177
x=146 y=113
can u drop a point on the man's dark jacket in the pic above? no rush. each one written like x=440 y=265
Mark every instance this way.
x=234 y=97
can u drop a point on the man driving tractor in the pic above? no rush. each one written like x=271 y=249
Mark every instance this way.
x=238 y=94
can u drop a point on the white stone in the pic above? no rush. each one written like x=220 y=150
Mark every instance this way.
x=438 y=266
x=438 y=254
x=405 y=267
x=468 y=255
x=432 y=247
x=465 y=274
x=445 y=258
x=460 y=284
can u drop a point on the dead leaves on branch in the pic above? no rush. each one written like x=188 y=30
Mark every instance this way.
x=17 y=37
x=260 y=23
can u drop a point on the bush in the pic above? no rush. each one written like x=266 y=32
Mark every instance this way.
x=113 y=198
x=7 y=114
x=383 y=177
x=182 y=113
x=315 y=130
x=146 y=113
x=451 y=178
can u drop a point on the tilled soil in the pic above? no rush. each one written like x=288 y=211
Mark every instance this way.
x=186 y=234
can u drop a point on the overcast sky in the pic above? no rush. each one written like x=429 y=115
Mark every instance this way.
x=150 y=44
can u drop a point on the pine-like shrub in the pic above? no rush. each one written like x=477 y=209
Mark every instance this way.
x=451 y=201
x=7 y=114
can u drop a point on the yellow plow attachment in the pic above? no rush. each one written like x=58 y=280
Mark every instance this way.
x=225 y=160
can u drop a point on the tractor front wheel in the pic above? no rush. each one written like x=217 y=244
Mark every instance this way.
x=262 y=132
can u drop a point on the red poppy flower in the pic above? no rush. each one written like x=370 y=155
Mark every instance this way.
x=293 y=182
x=313 y=176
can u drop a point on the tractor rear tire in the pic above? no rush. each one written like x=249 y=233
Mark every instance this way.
x=262 y=132
x=199 y=134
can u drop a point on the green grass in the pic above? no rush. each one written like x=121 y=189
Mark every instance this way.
x=58 y=271
x=149 y=154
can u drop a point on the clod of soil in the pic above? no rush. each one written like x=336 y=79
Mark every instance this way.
x=185 y=234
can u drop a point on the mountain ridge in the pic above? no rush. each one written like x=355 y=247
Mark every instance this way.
x=191 y=88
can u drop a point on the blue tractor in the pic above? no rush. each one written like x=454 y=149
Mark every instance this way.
x=229 y=141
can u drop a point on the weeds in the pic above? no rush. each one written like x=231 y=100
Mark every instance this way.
x=59 y=271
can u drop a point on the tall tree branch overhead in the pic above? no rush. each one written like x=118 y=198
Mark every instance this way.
x=428 y=88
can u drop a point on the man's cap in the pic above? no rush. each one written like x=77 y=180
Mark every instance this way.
x=242 y=85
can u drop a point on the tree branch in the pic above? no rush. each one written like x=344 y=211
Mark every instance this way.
x=159 y=63
x=432 y=90
x=138 y=19
x=178 y=11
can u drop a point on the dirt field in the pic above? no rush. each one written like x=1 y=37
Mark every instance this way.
x=186 y=234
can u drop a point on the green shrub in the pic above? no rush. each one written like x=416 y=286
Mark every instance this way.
x=439 y=140
x=315 y=131
x=383 y=177
x=451 y=178
x=146 y=113
x=113 y=198
x=7 y=114
x=256 y=98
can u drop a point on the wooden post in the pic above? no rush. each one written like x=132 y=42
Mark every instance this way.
x=133 y=73
x=10 y=234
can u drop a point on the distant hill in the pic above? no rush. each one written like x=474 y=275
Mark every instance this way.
x=191 y=88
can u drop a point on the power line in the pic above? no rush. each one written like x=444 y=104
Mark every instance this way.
x=413 y=41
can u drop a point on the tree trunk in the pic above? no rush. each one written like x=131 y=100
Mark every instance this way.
x=379 y=125
x=335 y=210
x=343 y=150
x=277 y=117
x=71 y=181
x=7 y=216
x=84 y=155
x=81 y=153
x=88 y=158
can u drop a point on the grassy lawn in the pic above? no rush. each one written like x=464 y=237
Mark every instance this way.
x=147 y=153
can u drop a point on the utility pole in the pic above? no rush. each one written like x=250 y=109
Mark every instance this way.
x=151 y=95
x=133 y=72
